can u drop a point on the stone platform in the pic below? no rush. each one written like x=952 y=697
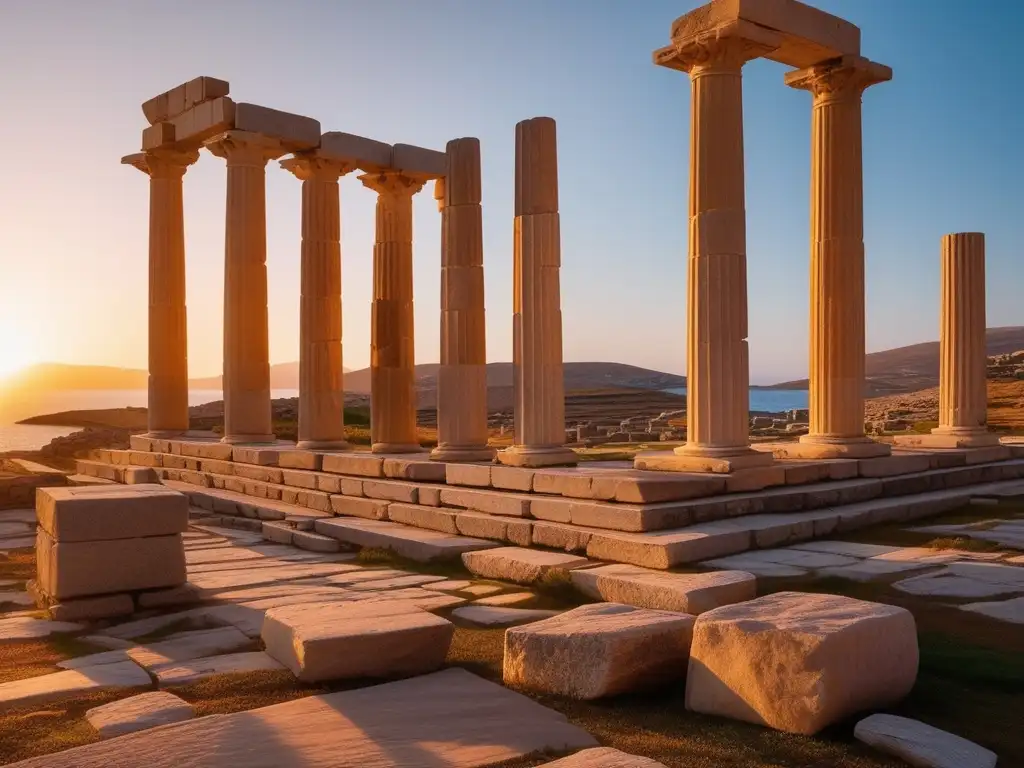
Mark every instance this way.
x=427 y=509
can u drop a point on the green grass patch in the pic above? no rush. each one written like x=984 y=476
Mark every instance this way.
x=964 y=544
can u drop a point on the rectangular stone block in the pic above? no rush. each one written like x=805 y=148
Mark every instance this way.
x=295 y=132
x=157 y=136
x=78 y=569
x=419 y=161
x=478 y=475
x=392 y=490
x=204 y=449
x=372 y=509
x=512 y=478
x=482 y=526
x=204 y=121
x=300 y=479
x=107 y=512
x=431 y=518
x=367 y=154
x=361 y=465
x=255 y=472
x=491 y=502
x=414 y=469
x=296 y=459
x=251 y=455
x=182 y=97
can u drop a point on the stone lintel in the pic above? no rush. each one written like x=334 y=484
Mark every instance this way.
x=157 y=135
x=419 y=161
x=184 y=97
x=295 y=132
x=870 y=72
x=809 y=35
x=366 y=154
x=194 y=126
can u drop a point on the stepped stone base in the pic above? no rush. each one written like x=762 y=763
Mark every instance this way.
x=813 y=447
x=973 y=442
x=694 y=462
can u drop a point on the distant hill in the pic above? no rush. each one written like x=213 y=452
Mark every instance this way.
x=913 y=368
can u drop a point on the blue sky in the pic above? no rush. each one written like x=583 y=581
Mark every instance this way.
x=943 y=152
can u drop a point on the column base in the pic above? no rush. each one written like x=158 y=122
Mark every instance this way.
x=322 y=445
x=950 y=437
x=824 y=447
x=258 y=439
x=164 y=434
x=397 y=448
x=537 y=456
x=696 y=459
x=456 y=453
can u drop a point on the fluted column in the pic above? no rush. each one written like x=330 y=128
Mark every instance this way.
x=717 y=359
x=837 y=258
x=963 y=394
x=392 y=354
x=539 y=385
x=462 y=377
x=167 y=405
x=247 y=416
x=321 y=377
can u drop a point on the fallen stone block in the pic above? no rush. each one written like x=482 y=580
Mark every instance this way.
x=598 y=650
x=85 y=568
x=137 y=713
x=518 y=564
x=831 y=656
x=101 y=513
x=336 y=641
x=692 y=593
x=920 y=744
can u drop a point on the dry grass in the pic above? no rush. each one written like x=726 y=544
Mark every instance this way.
x=18 y=565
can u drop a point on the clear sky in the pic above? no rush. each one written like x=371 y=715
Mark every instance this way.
x=943 y=148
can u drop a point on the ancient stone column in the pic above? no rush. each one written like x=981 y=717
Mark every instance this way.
x=837 y=259
x=717 y=365
x=462 y=377
x=539 y=385
x=963 y=394
x=392 y=357
x=321 y=377
x=247 y=417
x=168 y=332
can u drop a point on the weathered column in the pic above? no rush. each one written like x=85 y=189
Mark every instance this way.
x=321 y=377
x=462 y=377
x=717 y=367
x=539 y=384
x=392 y=356
x=247 y=416
x=837 y=259
x=167 y=405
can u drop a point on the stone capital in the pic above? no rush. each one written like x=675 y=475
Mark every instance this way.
x=310 y=166
x=836 y=79
x=162 y=164
x=393 y=184
x=242 y=148
x=721 y=50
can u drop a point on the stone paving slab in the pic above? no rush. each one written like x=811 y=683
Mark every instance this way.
x=189 y=645
x=217 y=581
x=507 y=600
x=920 y=744
x=137 y=713
x=1005 y=610
x=470 y=722
x=496 y=616
x=848 y=548
x=95 y=659
x=27 y=628
x=952 y=586
x=183 y=673
x=16 y=597
x=519 y=564
x=604 y=757
x=692 y=593
x=57 y=685
x=415 y=543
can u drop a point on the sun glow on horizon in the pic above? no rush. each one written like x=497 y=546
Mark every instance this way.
x=18 y=347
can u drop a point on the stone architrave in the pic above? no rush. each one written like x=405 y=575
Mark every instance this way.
x=392 y=357
x=462 y=377
x=963 y=391
x=539 y=385
x=837 y=258
x=167 y=414
x=718 y=375
x=321 y=377
x=247 y=417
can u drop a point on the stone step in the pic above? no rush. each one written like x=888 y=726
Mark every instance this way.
x=416 y=544
x=80 y=480
x=119 y=473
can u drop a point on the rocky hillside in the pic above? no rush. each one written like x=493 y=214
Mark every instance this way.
x=913 y=368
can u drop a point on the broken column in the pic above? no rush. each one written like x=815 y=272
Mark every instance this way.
x=963 y=389
x=717 y=367
x=836 y=399
x=99 y=548
x=167 y=403
x=462 y=377
x=321 y=376
x=539 y=386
